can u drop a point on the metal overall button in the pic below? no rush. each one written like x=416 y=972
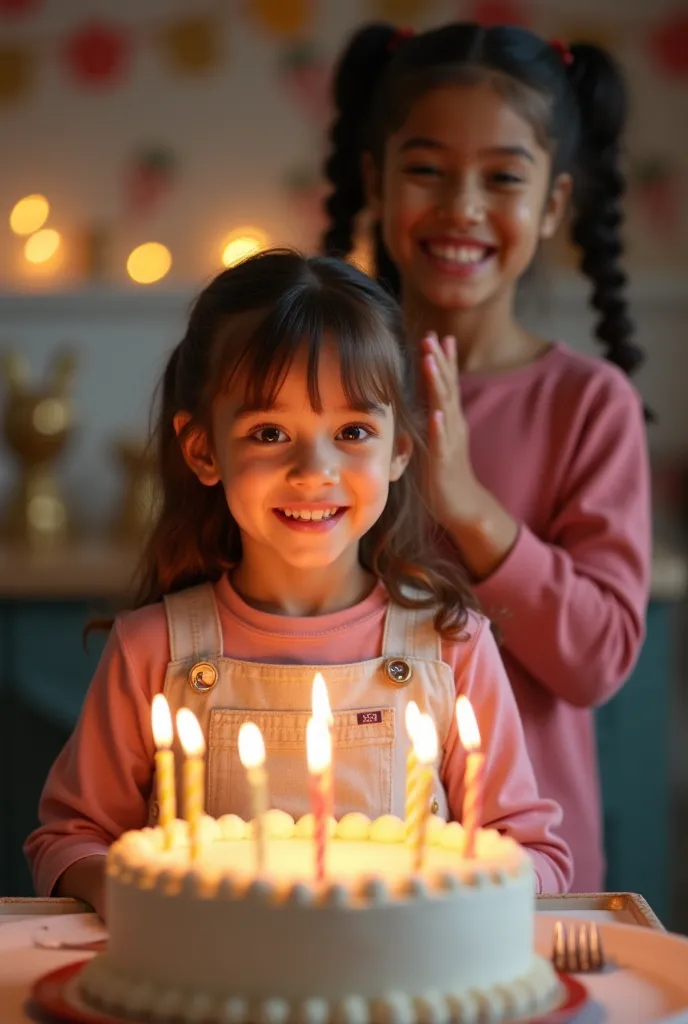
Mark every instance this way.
x=202 y=677
x=399 y=670
x=154 y=810
x=434 y=805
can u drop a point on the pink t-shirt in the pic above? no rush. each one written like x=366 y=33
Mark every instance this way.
x=561 y=444
x=100 y=784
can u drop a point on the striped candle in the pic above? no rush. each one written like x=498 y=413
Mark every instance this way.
x=474 y=780
x=425 y=745
x=164 y=766
x=412 y=772
x=319 y=754
x=193 y=776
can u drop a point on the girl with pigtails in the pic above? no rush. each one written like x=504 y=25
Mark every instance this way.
x=468 y=146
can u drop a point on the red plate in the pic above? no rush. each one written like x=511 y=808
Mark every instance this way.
x=55 y=995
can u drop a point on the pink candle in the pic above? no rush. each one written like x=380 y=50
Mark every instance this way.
x=319 y=753
x=474 y=782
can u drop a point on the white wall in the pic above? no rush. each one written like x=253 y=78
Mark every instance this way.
x=236 y=134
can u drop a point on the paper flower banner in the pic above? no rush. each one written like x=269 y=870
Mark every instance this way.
x=307 y=77
x=192 y=46
x=98 y=54
x=18 y=7
x=16 y=73
x=148 y=179
x=668 y=45
x=501 y=12
x=286 y=19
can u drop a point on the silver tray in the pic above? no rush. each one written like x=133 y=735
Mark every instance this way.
x=622 y=907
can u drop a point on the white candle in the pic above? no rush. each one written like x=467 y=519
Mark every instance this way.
x=252 y=756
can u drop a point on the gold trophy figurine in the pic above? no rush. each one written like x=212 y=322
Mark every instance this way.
x=37 y=423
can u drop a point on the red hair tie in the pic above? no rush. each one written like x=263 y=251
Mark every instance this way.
x=399 y=37
x=562 y=49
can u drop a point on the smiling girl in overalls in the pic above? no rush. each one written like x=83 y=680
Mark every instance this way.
x=292 y=536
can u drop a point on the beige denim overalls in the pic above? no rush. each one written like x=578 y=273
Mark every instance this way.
x=368 y=700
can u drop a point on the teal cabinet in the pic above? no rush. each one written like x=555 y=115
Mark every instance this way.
x=634 y=740
x=45 y=671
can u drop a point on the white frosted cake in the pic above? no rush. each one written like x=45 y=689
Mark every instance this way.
x=208 y=942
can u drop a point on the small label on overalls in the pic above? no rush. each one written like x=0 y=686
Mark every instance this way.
x=368 y=717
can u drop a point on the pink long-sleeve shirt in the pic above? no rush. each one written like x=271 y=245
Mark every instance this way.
x=100 y=784
x=561 y=444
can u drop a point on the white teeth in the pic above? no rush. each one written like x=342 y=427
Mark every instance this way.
x=458 y=253
x=307 y=515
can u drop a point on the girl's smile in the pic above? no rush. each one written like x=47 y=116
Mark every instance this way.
x=463 y=196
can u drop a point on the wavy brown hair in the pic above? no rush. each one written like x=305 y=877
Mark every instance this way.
x=245 y=329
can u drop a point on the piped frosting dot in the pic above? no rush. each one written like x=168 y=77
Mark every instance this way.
x=354 y=826
x=388 y=829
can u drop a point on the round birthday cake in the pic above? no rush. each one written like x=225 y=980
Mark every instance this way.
x=208 y=940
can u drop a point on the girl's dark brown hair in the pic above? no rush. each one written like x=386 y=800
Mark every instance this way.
x=244 y=330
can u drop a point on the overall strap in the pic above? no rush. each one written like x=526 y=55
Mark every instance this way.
x=193 y=624
x=410 y=633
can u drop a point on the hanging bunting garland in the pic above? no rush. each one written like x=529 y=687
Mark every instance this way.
x=16 y=73
x=98 y=54
x=668 y=45
x=148 y=178
x=192 y=46
x=657 y=188
x=400 y=11
x=19 y=7
x=306 y=192
x=307 y=77
x=501 y=12
x=284 y=18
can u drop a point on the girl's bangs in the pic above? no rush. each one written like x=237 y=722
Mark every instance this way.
x=371 y=366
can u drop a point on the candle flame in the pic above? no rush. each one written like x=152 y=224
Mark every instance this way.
x=321 y=701
x=411 y=717
x=318 y=746
x=469 y=733
x=425 y=739
x=190 y=733
x=251 y=746
x=162 y=722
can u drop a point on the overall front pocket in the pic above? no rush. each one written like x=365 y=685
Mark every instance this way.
x=363 y=743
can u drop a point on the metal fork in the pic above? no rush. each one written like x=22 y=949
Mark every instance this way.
x=577 y=949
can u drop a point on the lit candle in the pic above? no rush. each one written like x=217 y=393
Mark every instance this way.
x=193 y=775
x=252 y=756
x=319 y=754
x=412 y=776
x=323 y=712
x=164 y=765
x=475 y=772
x=425 y=744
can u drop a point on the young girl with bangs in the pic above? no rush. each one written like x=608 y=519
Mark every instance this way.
x=291 y=537
x=469 y=145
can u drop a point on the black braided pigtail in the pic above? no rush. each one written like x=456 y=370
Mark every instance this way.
x=359 y=69
x=598 y=194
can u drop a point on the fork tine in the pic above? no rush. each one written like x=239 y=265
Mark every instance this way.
x=559 y=947
x=573 y=963
x=596 y=952
x=584 y=963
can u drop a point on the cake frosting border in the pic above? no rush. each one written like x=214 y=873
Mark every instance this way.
x=132 y=859
x=114 y=991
